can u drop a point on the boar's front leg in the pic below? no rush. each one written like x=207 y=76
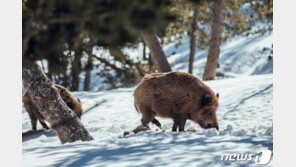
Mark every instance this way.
x=157 y=123
x=175 y=127
x=179 y=121
x=182 y=125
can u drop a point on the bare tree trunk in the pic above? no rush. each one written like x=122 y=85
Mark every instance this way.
x=147 y=58
x=144 y=51
x=42 y=65
x=157 y=54
x=65 y=79
x=193 y=40
x=49 y=70
x=75 y=71
x=45 y=96
x=150 y=62
x=215 y=42
x=88 y=69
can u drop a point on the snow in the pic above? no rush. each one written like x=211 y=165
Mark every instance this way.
x=240 y=56
x=245 y=122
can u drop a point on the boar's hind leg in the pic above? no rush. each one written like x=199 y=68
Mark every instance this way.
x=156 y=122
x=43 y=124
x=33 y=121
x=147 y=116
x=31 y=109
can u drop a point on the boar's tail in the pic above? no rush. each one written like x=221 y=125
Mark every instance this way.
x=136 y=108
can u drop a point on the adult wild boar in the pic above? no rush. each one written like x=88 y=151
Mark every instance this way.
x=35 y=115
x=176 y=95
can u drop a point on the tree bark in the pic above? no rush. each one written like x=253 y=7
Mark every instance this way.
x=75 y=71
x=88 y=69
x=193 y=40
x=65 y=79
x=49 y=70
x=157 y=54
x=215 y=41
x=45 y=96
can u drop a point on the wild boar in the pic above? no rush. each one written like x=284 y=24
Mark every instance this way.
x=72 y=102
x=176 y=95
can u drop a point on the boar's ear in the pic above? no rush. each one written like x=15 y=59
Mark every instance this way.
x=217 y=95
x=207 y=100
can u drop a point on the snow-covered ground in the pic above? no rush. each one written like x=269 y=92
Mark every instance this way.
x=239 y=56
x=245 y=120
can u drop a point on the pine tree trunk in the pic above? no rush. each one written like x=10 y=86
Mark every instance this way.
x=65 y=79
x=144 y=51
x=88 y=69
x=215 y=41
x=75 y=71
x=193 y=40
x=44 y=94
x=157 y=54
x=49 y=70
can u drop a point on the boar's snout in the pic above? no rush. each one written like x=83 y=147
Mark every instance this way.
x=212 y=126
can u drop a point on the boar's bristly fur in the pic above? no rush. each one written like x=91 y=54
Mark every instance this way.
x=176 y=95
